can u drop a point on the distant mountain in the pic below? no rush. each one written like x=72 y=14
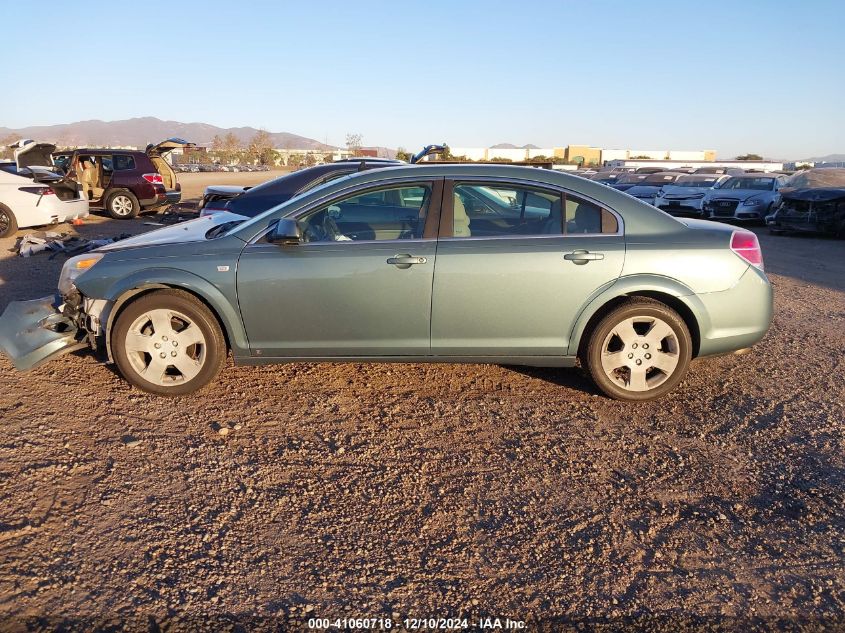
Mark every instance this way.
x=141 y=131
x=830 y=158
x=512 y=146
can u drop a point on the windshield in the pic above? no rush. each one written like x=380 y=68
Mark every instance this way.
x=629 y=178
x=663 y=179
x=695 y=182
x=744 y=182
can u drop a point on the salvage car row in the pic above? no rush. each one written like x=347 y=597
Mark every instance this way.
x=808 y=201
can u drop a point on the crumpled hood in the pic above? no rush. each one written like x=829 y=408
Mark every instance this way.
x=190 y=231
x=820 y=194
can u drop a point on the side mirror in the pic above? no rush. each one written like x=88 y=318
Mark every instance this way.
x=286 y=232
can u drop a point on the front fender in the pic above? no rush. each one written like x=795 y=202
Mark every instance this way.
x=635 y=284
x=140 y=281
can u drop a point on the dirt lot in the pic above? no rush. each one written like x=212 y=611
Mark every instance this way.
x=394 y=491
x=194 y=184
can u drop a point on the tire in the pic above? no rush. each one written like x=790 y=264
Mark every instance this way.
x=8 y=221
x=123 y=205
x=626 y=336
x=184 y=368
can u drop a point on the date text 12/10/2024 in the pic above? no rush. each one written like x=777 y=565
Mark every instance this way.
x=416 y=624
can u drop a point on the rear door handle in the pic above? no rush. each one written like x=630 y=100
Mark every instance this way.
x=582 y=257
x=405 y=261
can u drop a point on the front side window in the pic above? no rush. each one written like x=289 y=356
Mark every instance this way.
x=393 y=213
x=493 y=210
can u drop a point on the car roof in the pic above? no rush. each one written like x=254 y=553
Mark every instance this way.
x=644 y=218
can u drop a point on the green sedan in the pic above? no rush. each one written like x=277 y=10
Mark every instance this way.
x=439 y=263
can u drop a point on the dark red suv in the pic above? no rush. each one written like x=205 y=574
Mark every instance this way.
x=125 y=182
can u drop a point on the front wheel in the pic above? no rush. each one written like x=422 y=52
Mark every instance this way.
x=639 y=351
x=169 y=343
x=123 y=205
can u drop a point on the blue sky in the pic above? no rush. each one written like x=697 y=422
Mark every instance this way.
x=763 y=77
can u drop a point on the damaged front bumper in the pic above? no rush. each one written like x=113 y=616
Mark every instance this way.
x=33 y=332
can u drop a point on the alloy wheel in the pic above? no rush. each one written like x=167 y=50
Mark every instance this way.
x=640 y=353
x=121 y=205
x=5 y=221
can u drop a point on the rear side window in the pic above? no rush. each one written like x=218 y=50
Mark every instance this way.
x=493 y=210
x=501 y=210
x=122 y=162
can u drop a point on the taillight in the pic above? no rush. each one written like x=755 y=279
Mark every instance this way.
x=745 y=244
x=153 y=178
x=38 y=191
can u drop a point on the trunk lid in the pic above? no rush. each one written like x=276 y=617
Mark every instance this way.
x=168 y=145
x=31 y=154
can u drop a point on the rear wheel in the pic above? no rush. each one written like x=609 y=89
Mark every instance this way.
x=123 y=205
x=168 y=343
x=8 y=222
x=639 y=351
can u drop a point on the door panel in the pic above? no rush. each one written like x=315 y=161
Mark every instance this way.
x=336 y=299
x=515 y=295
x=358 y=285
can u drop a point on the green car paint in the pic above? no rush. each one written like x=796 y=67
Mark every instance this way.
x=514 y=299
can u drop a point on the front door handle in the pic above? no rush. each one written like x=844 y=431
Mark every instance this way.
x=582 y=257
x=406 y=261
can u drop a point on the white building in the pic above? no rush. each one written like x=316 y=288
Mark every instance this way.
x=608 y=155
x=514 y=154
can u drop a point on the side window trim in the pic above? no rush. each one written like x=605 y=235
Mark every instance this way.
x=447 y=214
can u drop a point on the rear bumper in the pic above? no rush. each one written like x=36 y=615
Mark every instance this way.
x=50 y=210
x=33 y=332
x=161 y=199
x=736 y=318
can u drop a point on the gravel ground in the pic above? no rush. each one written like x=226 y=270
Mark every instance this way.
x=412 y=491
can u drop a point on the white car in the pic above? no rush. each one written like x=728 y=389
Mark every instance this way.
x=32 y=194
x=685 y=195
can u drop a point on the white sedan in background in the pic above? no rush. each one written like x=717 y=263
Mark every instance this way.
x=685 y=195
x=31 y=194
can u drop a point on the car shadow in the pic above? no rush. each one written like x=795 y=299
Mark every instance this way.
x=569 y=377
